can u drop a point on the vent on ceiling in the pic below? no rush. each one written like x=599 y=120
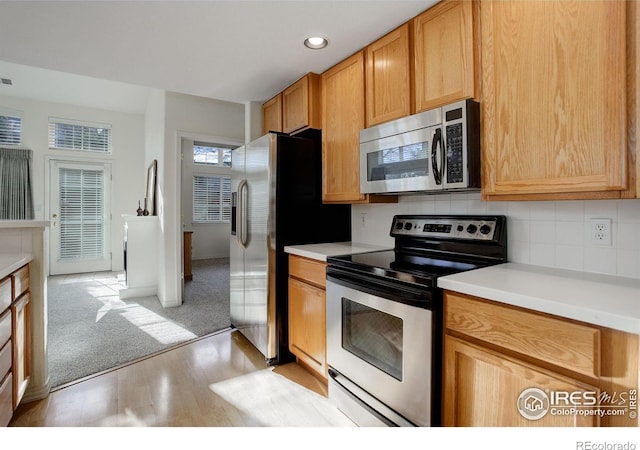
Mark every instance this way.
x=6 y=81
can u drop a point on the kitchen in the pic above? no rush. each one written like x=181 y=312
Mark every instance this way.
x=553 y=233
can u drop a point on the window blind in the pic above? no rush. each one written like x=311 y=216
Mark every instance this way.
x=65 y=134
x=81 y=214
x=211 y=198
x=10 y=129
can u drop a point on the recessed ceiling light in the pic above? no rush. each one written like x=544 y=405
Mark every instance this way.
x=316 y=43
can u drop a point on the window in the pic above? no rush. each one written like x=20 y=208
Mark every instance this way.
x=10 y=127
x=74 y=135
x=211 y=154
x=211 y=199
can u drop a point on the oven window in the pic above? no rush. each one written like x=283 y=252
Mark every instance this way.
x=407 y=161
x=373 y=336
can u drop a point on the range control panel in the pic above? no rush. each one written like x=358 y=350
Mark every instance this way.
x=447 y=227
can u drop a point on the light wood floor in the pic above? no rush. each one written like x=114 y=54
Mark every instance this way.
x=217 y=381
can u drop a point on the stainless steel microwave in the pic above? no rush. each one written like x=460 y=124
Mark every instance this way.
x=433 y=151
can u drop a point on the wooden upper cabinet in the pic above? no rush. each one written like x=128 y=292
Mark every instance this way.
x=272 y=114
x=301 y=104
x=343 y=117
x=388 y=86
x=446 y=52
x=554 y=99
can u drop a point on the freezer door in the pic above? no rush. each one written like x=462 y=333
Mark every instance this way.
x=259 y=257
x=236 y=251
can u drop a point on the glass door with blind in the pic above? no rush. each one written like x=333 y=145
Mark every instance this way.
x=80 y=217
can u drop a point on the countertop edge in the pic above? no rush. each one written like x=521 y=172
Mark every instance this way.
x=614 y=320
x=24 y=223
x=11 y=262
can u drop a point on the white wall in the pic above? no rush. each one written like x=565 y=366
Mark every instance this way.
x=127 y=158
x=552 y=234
x=183 y=115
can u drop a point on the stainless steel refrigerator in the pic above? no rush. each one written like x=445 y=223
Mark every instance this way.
x=276 y=185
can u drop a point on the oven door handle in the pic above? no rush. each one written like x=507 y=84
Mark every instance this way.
x=396 y=291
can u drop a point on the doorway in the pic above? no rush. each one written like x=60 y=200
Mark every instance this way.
x=80 y=207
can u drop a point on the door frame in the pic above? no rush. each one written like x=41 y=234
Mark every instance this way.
x=49 y=159
x=180 y=137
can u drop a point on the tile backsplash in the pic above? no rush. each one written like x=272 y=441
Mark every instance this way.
x=545 y=233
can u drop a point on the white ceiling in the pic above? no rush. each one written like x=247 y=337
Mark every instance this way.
x=233 y=50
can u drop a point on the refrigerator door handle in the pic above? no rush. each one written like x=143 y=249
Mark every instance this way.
x=242 y=214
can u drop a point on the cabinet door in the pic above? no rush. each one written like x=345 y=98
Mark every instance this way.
x=21 y=347
x=482 y=387
x=388 y=89
x=301 y=104
x=446 y=50
x=307 y=325
x=342 y=119
x=553 y=98
x=272 y=114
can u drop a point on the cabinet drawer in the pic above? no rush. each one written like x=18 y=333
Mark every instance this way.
x=5 y=360
x=20 y=281
x=5 y=327
x=6 y=407
x=560 y=342
x=5 y=294
x=310 y=270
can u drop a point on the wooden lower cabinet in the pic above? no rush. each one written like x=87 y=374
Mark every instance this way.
x=307 y=314
x=510 y=366
x=482 y=388
x=21 y=336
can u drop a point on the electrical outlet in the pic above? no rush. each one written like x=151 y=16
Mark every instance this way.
x=601 y=231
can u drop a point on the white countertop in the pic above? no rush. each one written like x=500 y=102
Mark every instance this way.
x=604 y=300
x=24 y=223
x=10 y=262
x=320 y=252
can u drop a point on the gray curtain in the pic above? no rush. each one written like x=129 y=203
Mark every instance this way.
x=16 y=193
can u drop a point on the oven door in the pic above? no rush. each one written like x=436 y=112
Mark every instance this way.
x=380 y=352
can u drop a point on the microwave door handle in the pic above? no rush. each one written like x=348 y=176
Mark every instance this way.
x=435 y=143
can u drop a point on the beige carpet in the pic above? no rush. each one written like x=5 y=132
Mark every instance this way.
x=91 y=329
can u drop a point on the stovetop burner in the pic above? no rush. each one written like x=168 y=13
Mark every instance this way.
x=429 y=246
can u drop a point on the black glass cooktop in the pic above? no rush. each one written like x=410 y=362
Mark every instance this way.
x=405 y=266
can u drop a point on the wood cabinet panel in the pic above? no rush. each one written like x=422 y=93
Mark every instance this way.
x=20 y=281
x=446 y=53
x=307 y=325
x=5 y=359
x=388 y=82
x=309 y=270
x=21 y=338
x=272 y=115
x=301 y=104
x=482 y=387
x=6 y=295
x=573 y=346
x=6 y=402
x=342 y=119
x=187 y=255
x=5 y=327
x=554 y=98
